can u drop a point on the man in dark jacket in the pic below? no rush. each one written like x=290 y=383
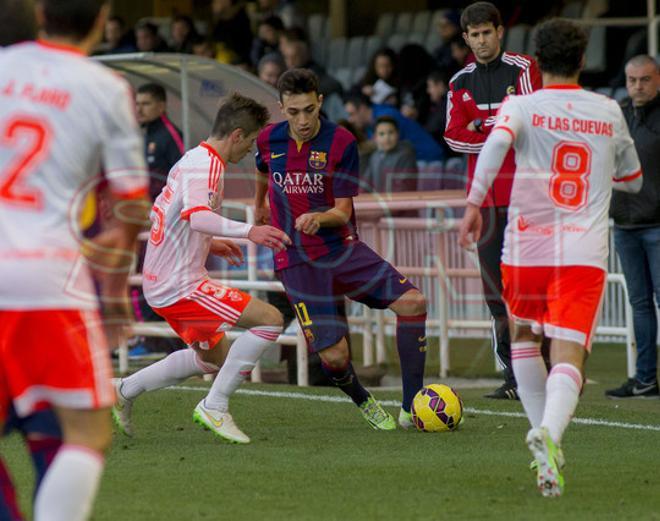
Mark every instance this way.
x=475 y=94
x=162 y=140
x=637 y=225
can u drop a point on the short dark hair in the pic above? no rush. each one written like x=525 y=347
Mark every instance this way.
x=298 y=81
x=117 y=19
x=147 y=25
x=480 y=13
x=438 y=76
x=560 y=46
x=72 y=18
x=155 y=90
x=358 y=99
x=239 y=111
x=272 y=57
x=273 y=21
x=388 y=120
x=19 y=22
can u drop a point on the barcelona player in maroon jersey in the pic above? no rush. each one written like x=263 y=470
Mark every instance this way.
x=308 y=167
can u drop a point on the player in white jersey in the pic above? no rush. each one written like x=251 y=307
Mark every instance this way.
x=572 y=147
x=185 y=226
x=62 y=119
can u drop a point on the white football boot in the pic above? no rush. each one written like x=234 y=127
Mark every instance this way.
x=121 y=410
x=219 y=423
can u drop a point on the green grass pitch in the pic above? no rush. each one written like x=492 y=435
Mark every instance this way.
x=319 y=460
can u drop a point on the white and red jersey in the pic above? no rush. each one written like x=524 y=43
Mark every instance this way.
x=571 y=146
x=63 y=118
x=176 y=254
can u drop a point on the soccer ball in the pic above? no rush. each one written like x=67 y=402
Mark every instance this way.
x=437 y=408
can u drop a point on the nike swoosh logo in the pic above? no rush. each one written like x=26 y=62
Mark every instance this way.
x=213 y=420
x=276 y=156
x=641 y=390
x=421 y=339
x=403 y=280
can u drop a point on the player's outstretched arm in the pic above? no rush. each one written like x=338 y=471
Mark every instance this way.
x=338 y=215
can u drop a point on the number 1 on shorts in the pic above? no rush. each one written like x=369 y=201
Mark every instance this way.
x=303 y=316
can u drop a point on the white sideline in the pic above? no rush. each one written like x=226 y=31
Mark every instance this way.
x=394 y=403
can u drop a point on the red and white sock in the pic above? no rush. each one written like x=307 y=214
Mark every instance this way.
x=174 y=368
x=69 y=487
x=531 y=374
x=241 y=359
x=562 y=394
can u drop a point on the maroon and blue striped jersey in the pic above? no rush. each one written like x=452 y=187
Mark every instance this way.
x=307 y=177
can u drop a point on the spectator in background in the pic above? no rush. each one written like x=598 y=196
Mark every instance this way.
x=231 y=31
x=437 y=87
x=163 y=145
x=461 y=53
x=270 y=68
x=117 y=38
x=449 y=27
x=415 y=64
x=363 y=114
x=148 y=39
x=267 y=40
x=296 y=53
x=365 y=146
x=637 y=225
x=184 y=34
x=381 y=74
x=392 y=167
x=204 y=47
x=285 y=10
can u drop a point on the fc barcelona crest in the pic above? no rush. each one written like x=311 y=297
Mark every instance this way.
x=318 y=160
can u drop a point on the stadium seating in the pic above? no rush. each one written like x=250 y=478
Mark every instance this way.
x=515 y=38
x=355 y=54
x=337 y=53
x=422 y=23
x=385 y=25
x=596 y=60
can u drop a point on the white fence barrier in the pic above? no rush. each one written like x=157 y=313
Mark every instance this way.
x=426 y=251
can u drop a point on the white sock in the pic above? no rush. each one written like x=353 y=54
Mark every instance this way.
x=562 y=394
x=242 y=357
x=69 y=487
x=531 y=374
x=171 y=370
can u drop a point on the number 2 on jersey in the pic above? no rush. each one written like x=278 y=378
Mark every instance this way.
x=571 y=166
x=30 y=137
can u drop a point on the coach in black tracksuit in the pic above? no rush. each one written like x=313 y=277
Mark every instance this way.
x=475 y=94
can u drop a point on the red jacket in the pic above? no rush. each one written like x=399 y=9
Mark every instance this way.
x=476 y=92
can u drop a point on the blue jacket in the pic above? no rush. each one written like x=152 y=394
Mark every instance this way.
x=426 y=148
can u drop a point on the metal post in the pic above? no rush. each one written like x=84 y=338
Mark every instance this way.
x=652 y=27
x=252 y=277
x=442 y=296
x=185 y=106
x=123 y=357
x=367 y=338
x=301 y=358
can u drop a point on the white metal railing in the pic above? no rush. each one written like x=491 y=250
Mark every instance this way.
x=426 y=251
